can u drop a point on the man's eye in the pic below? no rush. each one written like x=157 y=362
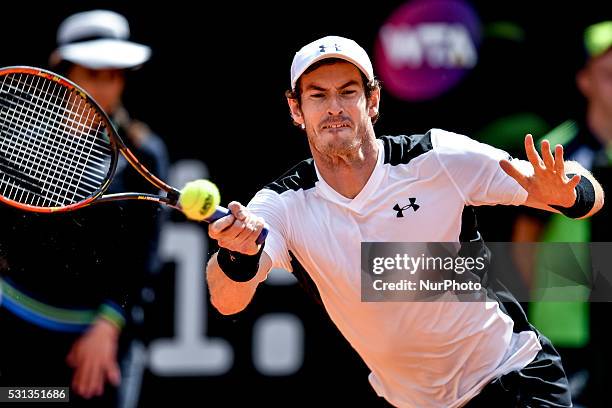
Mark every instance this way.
x=317 y=95
x=348 y=92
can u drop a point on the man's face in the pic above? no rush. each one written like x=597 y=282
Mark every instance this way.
x=104 y=85
x=595 y=82
x=334 y=108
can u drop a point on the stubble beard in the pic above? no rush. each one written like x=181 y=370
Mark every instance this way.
x=348 y=150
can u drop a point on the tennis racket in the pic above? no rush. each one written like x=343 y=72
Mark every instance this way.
x=59 y=150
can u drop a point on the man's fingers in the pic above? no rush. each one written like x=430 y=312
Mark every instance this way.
x=95 y=385
x=238 y=210
x=549 y=160
x=532 y=153
x=113 y=374
x=250 y=233
x=240 y=237
x=227 y=239
x=559 y=163
x=220 y=225
x=87 y=379
x=81 y=379
x=76 y=380
x=512 y=172
x=239 y=234
x=574 y=181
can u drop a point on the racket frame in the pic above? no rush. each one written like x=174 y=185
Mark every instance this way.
x=117 y=145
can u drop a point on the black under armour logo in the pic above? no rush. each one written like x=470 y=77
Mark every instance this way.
x=400 y=210
x=323 y=48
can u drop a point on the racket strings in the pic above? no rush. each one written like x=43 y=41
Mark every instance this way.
x=64 y=114
x=55 y=119
x=39 y=151
x=23 y=133
x=54 y=149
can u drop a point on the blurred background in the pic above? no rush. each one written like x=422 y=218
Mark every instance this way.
x=214 y=91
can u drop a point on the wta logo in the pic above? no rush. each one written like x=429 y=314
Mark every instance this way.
x=426 y=47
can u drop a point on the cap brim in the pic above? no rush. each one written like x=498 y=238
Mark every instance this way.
x=327 y=56
x=106 y=53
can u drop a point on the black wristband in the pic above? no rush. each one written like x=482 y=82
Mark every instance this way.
x=585 y=199
x=239 y=267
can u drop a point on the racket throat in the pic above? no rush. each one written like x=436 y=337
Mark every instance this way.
x=173 y=197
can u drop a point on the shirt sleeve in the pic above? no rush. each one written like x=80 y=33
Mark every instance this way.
x=269 y=205
x=474 y=169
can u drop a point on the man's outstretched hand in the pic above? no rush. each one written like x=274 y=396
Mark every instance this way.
x=548 y=184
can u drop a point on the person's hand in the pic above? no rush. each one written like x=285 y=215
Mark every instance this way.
x=237 y=231
x=94 y=359
x=548 y=184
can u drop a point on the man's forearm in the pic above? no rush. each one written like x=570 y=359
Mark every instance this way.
x=230 y=297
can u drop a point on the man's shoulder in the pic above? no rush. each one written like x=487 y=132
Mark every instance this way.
x=450 y=145
x=401 y=149
x=302 y=176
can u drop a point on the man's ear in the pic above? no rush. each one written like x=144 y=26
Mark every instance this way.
x=373 y=103
x=296 y=111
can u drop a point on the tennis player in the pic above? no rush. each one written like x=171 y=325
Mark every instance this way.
x=425 y=354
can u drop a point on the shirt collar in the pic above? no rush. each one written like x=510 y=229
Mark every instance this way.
x=358 y=203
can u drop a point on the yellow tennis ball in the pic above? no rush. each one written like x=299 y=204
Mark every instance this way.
x=199 y=199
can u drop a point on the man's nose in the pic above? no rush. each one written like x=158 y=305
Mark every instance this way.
x=335 y=106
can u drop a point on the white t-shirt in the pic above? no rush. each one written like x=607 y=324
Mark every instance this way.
x=421 y=354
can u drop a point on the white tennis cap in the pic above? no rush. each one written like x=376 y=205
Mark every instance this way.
x=99 y=39
x=330 y=47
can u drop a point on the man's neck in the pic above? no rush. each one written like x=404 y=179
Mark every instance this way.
x=600 y=124
x=348 y=175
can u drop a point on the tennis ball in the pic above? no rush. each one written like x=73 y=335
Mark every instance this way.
x=199 y=199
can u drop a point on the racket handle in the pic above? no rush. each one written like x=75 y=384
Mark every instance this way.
x=221 y=212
